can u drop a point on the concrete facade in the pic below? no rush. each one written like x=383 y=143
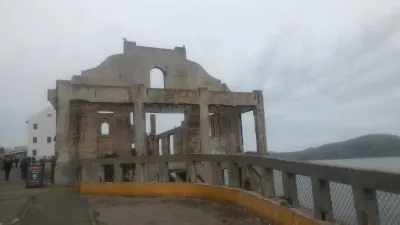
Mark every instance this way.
x=41 y=133
x=106 y=95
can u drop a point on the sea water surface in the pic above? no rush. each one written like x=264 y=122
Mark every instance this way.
x=342 y=195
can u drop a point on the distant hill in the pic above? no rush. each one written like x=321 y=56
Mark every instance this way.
x=368 y=146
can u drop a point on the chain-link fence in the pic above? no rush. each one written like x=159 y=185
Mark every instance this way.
x=304 y=192
x=278 y=182
x=389 y=208
x=204 y=172
x=344 y=210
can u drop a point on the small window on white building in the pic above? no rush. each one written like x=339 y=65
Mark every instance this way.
x=34 y=140
x=34 y=152
x=35 y=126
x=48 y=114
x=48 y=140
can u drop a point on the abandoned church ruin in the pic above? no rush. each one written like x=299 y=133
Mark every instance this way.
x=120 y=86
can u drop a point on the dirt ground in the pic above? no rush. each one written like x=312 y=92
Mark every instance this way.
x=166 y=211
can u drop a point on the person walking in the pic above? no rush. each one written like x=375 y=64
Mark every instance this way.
x=16 y=162
x=23 y=166
x=7 y=166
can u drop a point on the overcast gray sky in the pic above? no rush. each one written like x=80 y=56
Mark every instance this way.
x=329 y=69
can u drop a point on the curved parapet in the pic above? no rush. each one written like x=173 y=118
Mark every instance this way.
x=135 y=64
x=267 y=210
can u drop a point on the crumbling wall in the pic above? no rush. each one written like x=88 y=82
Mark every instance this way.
x=134 y=65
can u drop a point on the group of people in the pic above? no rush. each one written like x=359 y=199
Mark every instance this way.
x=7 y=164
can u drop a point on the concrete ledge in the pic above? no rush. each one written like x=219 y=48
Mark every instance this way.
x=264 y=208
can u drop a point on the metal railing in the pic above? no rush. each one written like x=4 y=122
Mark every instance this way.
x=329 y=193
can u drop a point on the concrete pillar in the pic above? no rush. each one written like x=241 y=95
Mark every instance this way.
x=252 y=176
x=216 y=176
x=165 y=145
x=184 y=137
x=139 y=172
x=290 y=188
x=191 y=173
x=204 y=121
x=267 y=182
x=233 y=172
x=153 y=124
x=163 y=172
x=239 y=133
x=178 y=142
x=259 y=122
x=118 y=177
x=65 y=149
x=139 y=121
x=366 y=206
x=322 y=199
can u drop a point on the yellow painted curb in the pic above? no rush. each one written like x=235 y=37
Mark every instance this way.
x=267 y=210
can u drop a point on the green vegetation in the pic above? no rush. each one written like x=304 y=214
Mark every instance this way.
x=368 y=146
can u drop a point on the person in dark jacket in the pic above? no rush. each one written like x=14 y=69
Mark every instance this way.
x=7 y=166
x=23 y=166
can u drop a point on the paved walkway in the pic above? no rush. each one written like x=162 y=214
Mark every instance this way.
x=65 y=206
x=61 y=206
x=48 y=206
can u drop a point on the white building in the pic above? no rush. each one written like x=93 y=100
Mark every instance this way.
x=41 y=133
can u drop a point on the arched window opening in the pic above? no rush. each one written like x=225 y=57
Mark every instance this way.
x=131 y=117
x=171 y=145
x=157 y=78
x=105 y=129
x=159 y=147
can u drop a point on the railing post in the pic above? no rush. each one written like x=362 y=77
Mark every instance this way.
x=117 y=172
x=251 y=174
x=216 y=173
x=139 y=172
x=234 y=175
x=366 y=206
x=146 y=172
x=267 y=182
x=322 y=199
x=163 y=172
x=191 y=175
x=290 y=188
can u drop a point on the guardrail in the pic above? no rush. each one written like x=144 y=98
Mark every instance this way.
x=329 y=193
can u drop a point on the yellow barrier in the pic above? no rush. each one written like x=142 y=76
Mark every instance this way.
x=265 y=209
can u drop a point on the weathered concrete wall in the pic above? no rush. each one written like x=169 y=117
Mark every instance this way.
x=120 y=84
x=135 y=64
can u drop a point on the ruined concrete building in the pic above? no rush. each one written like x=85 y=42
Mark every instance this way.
x=120 y=86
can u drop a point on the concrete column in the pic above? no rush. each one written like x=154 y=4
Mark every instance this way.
x=290 y=188
x=259 y=121
x=178 y=142
x=322 y=199
x=267 y=182
x=366 y=206
x=252 y=176
x=65 y=149
x=139 y=172
x=191 y=174
x=153 y=124
x=118 y=177
x=165 y=145
x=90 y=171
x=204 y=121
x=216 y=173
x=233 y=172
x=139 y=121
x=239 y=133
x=184 y=137
x=163 y=172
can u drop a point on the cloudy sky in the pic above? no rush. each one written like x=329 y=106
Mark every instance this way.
x=329 y=69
